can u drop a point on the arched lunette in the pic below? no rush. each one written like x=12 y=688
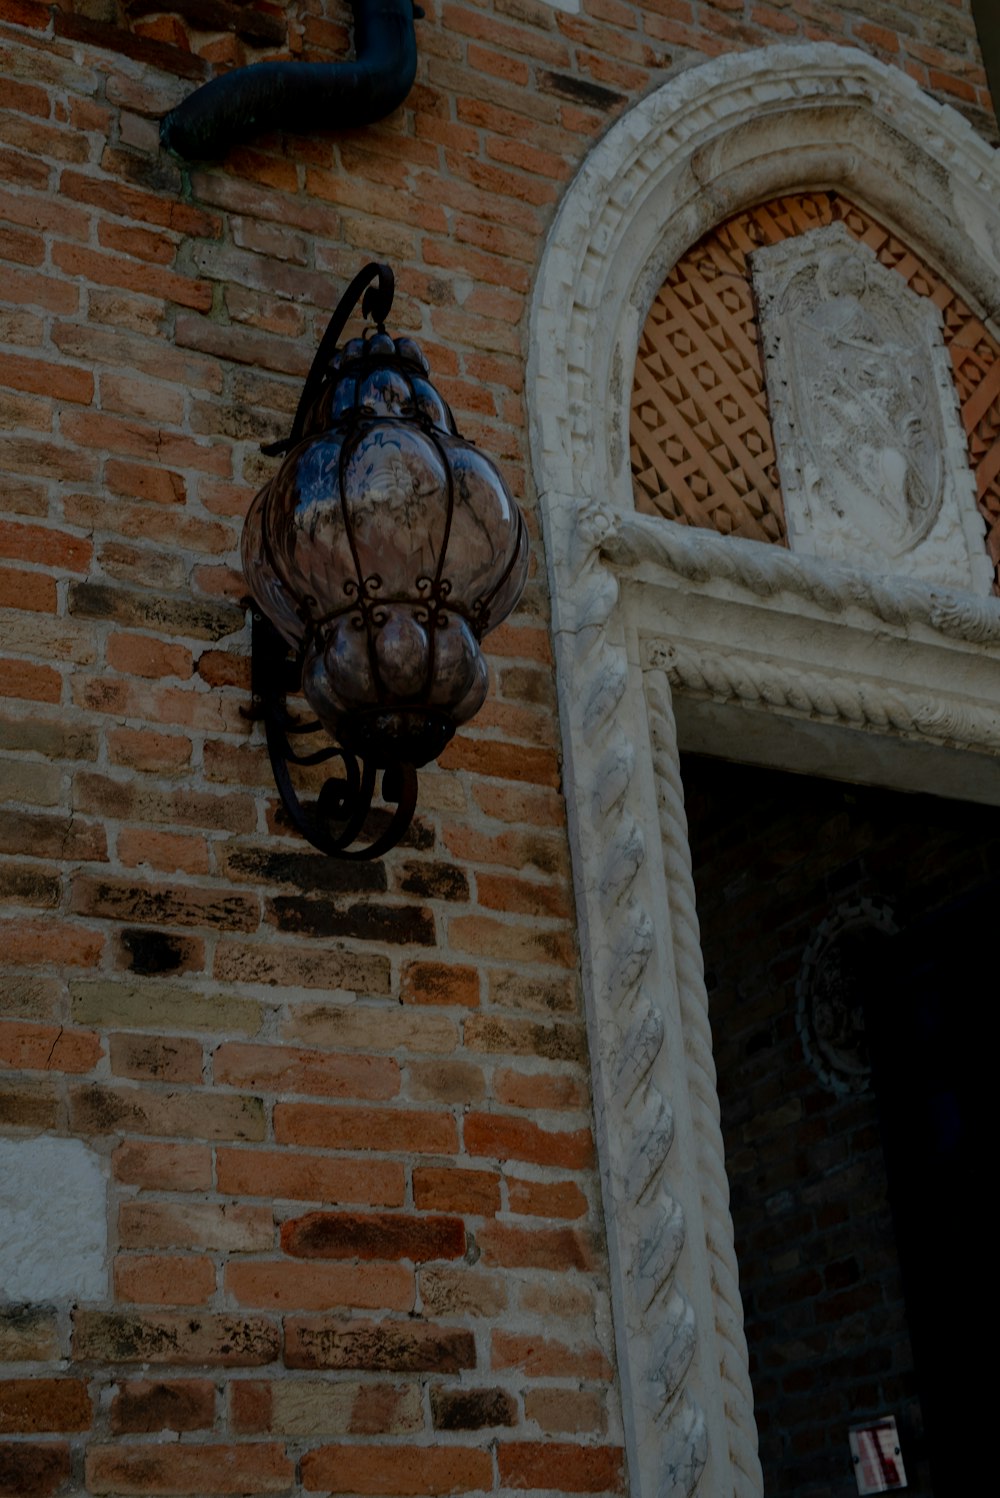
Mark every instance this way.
x=303 y=96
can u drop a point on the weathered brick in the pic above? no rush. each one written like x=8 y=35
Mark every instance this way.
x=229 y=1227
x=152 y=953
x=372 y=1026
x=36 y=1469
x=462 y=1292
x=175 y=1337
x=379 y=1235
x=163 y=1167
x=146 y=1405
x=314 y=916
x=281 y=1069
x=155 y=1059
x=200 y=619
x=114 y=1110
x=566 y=1411
x=439 y=983
x=28 y=1333
x=397 y=1473
x=329 y=968
x=251 y=1467
x=121 y=900
x=392 y=1346
x=311 y=1407
x=445 y=1082
x=555 y=1042
x=31 y=1105
x=53 y=836
x=297 y=1176
x=151 y=1005
x=472 y=1409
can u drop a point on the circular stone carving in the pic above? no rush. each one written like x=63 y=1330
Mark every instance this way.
x=829 y=1011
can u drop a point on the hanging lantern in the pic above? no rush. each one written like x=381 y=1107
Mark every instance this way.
x=383 y=550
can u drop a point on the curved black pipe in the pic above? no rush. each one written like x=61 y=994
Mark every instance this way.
x=302 y=96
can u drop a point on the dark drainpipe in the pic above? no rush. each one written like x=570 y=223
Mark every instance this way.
x=303 y=96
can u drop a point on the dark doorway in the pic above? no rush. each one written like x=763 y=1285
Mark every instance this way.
x=847 y=935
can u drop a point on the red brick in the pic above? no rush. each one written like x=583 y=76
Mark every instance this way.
x=157 y=485
x=32 y=1047
x=50 y=941
x=164 y=1280
x=397 y=1472
x=540 y=1091
x=566 y=1411
x=28 y=1405
x=569 y=1469
x=293 y=1175
x=395 y=1130
x=34 y=683
x=539 y=1358
x=451 y=1189
x=146 y=1405
x=498 y=1136
x=379 y=1235
x=140 y=655
x=536 y=1248
x=20 y=589
x=252 y=1467
x=314 y=1287
x=546 y=1198
x=63 y=382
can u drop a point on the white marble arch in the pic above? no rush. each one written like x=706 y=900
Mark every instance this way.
x=667 y=634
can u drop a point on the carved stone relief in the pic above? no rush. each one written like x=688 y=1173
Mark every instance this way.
x=829 y=1008
x=871 y=452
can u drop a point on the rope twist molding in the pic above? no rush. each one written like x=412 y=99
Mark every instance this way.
x=714 y=139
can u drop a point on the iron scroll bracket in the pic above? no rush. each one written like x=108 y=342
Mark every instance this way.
x=338 y=815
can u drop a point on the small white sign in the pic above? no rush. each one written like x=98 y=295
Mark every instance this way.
x=878 y=1461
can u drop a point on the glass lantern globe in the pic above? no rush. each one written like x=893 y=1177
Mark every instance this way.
x=383 y=550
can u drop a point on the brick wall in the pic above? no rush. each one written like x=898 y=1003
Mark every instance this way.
x=775 y=856
x=353 y=1217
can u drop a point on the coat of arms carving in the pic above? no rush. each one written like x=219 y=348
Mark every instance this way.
x=871 y=452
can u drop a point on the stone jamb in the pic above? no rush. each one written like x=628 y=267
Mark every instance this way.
x=667 y=635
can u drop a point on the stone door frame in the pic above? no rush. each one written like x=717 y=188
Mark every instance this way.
x=667 y=636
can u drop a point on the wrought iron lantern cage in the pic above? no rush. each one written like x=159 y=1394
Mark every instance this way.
x=378 y=556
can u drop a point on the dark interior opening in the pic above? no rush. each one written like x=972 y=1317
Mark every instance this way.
x=848 y=936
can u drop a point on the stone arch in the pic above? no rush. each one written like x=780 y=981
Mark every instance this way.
x=649 y=616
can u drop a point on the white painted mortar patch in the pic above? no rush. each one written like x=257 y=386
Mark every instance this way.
x=53 y=1221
